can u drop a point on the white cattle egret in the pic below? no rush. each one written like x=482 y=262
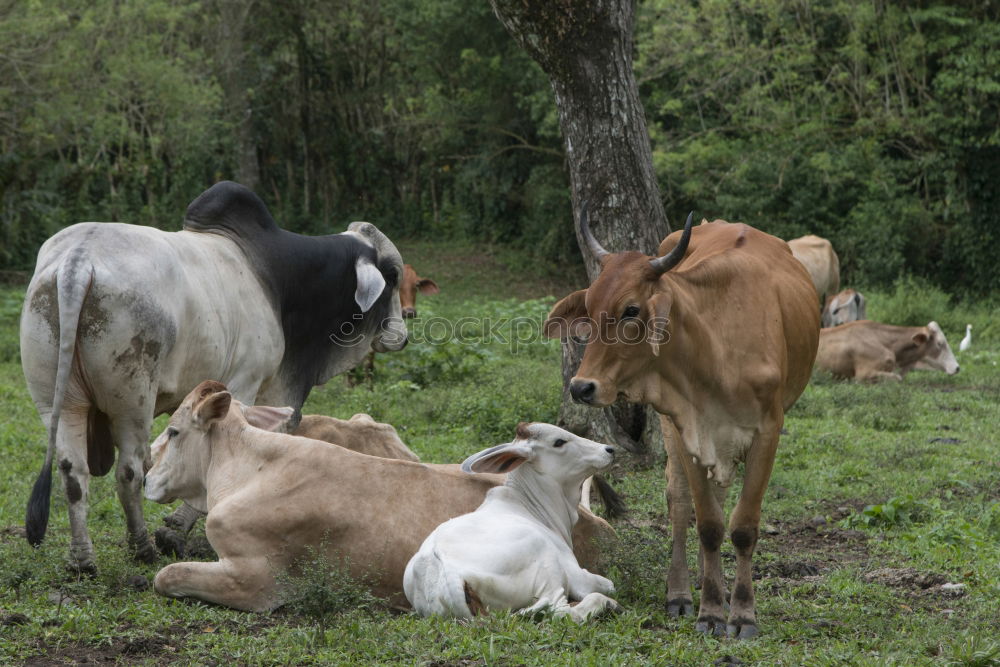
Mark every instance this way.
x=967 y=341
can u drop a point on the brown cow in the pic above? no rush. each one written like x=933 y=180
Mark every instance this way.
x=843 y=307
x=271 y=495
x=720 y=346
x=868 y=351
x=817 y=255
x=408 y=289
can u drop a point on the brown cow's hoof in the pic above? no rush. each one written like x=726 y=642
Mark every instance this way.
x=170 y=542
x=680 y=607
x=711 y=625
x=742 y=630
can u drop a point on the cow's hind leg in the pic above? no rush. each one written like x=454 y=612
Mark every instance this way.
x=744 y=527
x=130 y=434
x=244 y=583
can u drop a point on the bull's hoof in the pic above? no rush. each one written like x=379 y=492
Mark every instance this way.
x=145 y=552
x=742 y=629
x=170 y=542
x=87 y=568
x=711 y=625
x=680 y=607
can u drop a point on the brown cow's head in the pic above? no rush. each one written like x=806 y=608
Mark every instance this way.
x=412 y=283
x=623 y=316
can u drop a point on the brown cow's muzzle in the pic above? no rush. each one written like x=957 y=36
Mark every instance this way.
x=409 y=312
x=583 y=390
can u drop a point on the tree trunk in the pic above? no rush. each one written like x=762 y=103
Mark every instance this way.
x=585 y=47
x=235 y=79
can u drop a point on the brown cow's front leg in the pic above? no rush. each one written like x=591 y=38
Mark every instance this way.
x=744 y=525
x=710 y=522
x=244 y=583
x=679 y=508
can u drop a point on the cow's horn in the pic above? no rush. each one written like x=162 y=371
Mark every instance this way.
x=663 y=264
x=595 y=247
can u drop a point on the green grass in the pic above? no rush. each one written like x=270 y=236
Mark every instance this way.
x=871 y=485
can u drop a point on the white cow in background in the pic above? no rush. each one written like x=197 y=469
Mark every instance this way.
x=515 y=551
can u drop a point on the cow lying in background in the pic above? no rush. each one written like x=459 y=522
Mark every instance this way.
x=843 y=307
x=515 y=551
x=360 y=433
x=371 y=512
x=868 y=351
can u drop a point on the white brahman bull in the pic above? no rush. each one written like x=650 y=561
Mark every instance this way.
x=515 y=551
x=121 y=321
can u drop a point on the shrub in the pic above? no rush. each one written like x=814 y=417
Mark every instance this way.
x=317 y=588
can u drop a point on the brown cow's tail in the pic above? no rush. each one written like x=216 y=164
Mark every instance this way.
x=73 y=280
x=614 y=504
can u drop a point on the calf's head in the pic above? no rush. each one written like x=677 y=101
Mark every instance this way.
x=622 y=316
x=181 y=453
x=412 y=284
x=549 y=450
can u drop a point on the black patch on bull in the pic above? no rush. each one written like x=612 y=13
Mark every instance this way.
x=310 y=280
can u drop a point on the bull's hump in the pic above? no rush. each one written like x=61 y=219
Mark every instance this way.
x=229 y=208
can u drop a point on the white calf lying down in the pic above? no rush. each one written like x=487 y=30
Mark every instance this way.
x=515 y=551
x=270 y=496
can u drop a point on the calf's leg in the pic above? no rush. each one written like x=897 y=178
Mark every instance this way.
x=240 y=583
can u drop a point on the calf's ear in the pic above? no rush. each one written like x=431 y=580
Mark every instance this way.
x=370 y=284
x=212 y=407
x=499 y=459
x=920 y=337
x=427 y=286
x=568 y=317
x=269 y=418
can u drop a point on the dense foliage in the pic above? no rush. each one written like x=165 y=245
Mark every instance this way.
x=872 y=123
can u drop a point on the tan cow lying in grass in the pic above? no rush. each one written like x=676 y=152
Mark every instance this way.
x=868 y=351
x=270 y=495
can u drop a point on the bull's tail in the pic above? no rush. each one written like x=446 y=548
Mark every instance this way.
x=73 y=280
x=614 y=505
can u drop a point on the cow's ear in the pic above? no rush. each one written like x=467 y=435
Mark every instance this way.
x=269 y=418
x=659 y=316
x=427 y=286
x=920 y=337
x=371 y=282
x=213 y=407
x=568 y=317
x=500 y=459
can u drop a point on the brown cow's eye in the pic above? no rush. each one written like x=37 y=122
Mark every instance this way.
x=558 y=443
x=630 y=312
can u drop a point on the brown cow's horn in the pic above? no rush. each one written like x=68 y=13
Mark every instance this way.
x=595 y=247
x=663 y=264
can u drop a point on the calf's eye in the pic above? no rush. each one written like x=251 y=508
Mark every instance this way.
x=558 y=443
x=630 y=312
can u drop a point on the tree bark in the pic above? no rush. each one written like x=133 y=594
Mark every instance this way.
x=235 y=79
x=585 y=47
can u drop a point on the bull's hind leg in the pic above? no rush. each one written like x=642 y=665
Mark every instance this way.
x=131 y=433
x=71 y=459
x=744 y=529
x=243 y=583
